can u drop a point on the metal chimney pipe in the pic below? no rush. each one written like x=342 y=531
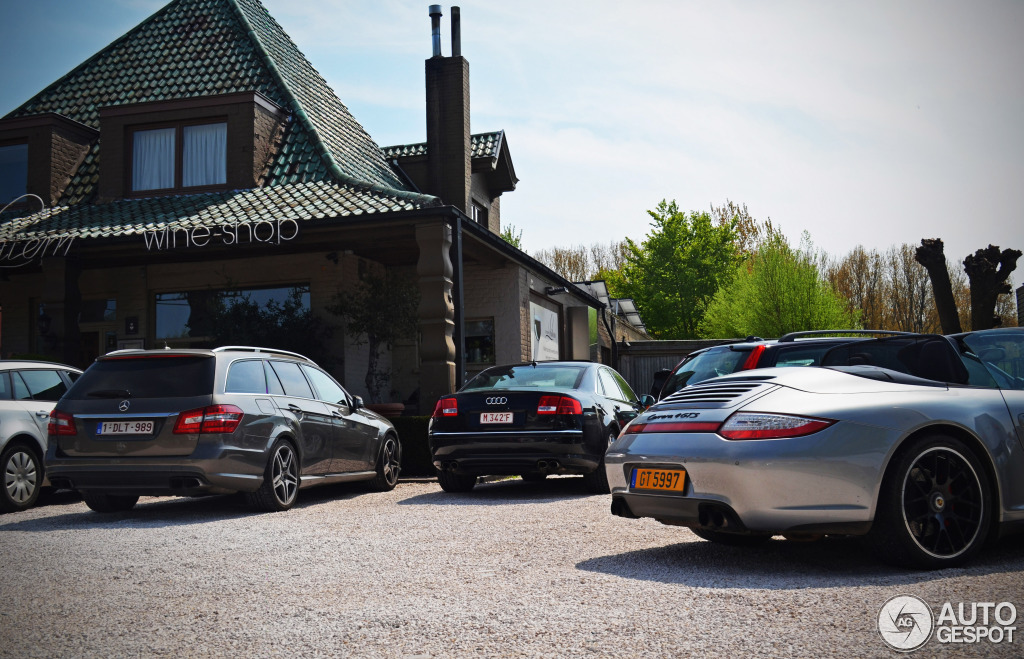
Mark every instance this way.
x=435 y=28
x=456 y=33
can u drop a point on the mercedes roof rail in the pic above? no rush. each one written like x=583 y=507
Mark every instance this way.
x=272 y=351
x=792 y=336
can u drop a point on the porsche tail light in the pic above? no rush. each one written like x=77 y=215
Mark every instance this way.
x=673 y=426
x=446 y=407
x=753 y=358
x=61 y=423
x=209 y=419
x=755 y=425
x=559 y=405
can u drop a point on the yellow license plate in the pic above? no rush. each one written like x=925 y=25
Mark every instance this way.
x=671 y=480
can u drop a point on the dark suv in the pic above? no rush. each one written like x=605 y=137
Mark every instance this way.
x=193 y=422
x=793 y=349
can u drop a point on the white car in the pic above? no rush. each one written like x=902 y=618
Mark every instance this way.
x=28 y=392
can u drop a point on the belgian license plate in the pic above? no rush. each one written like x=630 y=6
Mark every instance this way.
x=125 y=428
x=671 y=480
x=495 y=417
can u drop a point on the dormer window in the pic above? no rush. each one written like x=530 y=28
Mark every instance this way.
x=13 y=172
x=178 y=157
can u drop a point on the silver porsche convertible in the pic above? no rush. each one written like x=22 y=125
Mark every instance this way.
x=914 y=441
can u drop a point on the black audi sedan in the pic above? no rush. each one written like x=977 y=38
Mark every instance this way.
x=531 y=420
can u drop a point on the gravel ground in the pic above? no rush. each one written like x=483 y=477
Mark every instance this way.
x=513 y=569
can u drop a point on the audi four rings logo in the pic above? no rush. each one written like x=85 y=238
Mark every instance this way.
x=496 y=400
x=124 y=406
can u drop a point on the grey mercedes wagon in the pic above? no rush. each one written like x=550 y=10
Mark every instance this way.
x=193 y=422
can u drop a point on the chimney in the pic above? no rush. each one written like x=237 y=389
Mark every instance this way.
x=448 y=137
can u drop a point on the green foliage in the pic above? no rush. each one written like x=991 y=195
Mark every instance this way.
x=674 y=274
x=412 y=433
x=380 y=310
x=779 y=290
x=511 y=236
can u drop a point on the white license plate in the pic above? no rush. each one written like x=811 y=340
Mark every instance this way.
x=125 y=428
x=495 y=417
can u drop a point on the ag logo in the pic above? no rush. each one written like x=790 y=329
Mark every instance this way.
x=905 y=623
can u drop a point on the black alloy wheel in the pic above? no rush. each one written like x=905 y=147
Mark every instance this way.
x=23 y=477
x=281 y=480
x=936 y=509
x=596 y=481
x=389 y=465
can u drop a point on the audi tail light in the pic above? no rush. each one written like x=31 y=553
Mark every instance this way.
x=61 y=423
x=209 y=419
x=757 y=425
x=446 y=407
x=559 y=405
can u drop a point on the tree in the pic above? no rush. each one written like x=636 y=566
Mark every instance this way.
x=579 y=263
x=779 y=290
x=380 y=310
x=512 y=237
x=676 y=271
x=930 y=255
x=988 y=271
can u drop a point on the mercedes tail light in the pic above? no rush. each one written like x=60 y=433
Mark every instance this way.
x=753 y=358
x=559 y=405
x=446 y=407
x=757 y=425
x=61 y=423
x=209 y=419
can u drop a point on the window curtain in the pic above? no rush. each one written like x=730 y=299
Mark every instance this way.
x=204 y=155
x=153 y=159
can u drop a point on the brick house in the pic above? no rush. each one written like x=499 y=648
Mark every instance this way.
x=200 y=162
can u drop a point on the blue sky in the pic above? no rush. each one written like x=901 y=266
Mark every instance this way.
x=873 y=123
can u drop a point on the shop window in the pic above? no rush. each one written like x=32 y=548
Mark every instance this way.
x=98 y=311
x=13 y=172
x=181 y=156
x=209 y=318
x=479 y=338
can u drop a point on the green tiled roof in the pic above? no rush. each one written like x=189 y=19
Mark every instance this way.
x=195 y=48
x=483 y=145
x=306 y=201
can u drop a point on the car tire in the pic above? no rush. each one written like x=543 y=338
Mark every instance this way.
x=389 y=465
x=934 y=508
x=596 y=481
x=109 y=503
x=23 y=477
x=451 y=482
x=731 y=539
x=534 y=477
x=280 y=487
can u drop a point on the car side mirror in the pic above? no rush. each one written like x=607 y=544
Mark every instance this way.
x=647 y=400
x=357 y=403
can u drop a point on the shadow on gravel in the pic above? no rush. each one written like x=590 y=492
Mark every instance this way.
x=157 y=512
x=505 y=492
x=785 y=565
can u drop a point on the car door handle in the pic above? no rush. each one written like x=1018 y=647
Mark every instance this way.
x=43 y=415
x=295 y=408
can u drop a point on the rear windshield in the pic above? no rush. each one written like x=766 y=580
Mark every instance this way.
x=146 y=377
x=704 y=366
x=508 y=377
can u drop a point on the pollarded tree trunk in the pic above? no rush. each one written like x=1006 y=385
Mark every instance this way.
x=988 y=270
x=931 y=256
